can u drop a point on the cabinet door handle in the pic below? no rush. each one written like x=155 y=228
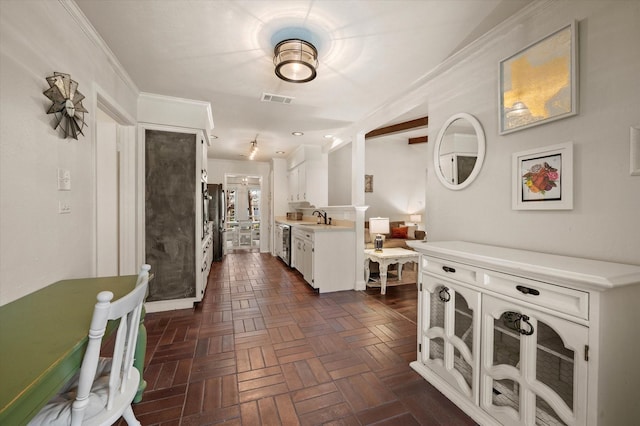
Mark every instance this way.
x=444 y=295
x=525 y=319
x=448 y=269
x=514 y=320
x=527 y=290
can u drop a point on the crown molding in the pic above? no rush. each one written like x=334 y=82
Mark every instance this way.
x=92 y=34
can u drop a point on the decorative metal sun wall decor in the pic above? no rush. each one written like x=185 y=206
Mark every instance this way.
x=67 y=104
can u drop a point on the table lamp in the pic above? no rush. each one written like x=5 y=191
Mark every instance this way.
x=378 y=226
x=415 y=218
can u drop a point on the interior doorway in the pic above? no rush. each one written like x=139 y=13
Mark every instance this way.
x=243 y=216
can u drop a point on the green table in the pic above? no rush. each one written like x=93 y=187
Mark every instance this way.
x=43 y=337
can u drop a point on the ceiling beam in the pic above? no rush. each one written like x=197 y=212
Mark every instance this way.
x=399 y=127
x=419 y=139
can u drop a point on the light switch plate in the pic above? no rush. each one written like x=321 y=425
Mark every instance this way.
x=634 y=150
x=64 y=180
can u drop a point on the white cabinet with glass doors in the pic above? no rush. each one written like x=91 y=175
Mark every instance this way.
x=534 y=369
x=449 y=329
x=515 y=337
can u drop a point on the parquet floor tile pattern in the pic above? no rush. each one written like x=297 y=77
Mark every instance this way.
x=263 y=348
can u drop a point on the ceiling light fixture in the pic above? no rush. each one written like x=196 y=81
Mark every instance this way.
x=295 y=60
x=253 y=150
x=297 y=133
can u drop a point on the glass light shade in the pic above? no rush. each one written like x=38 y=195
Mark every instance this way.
x=295 y=60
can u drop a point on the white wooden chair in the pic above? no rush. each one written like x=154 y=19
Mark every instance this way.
x=104 y=389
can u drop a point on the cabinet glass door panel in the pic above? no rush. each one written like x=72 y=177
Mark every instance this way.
x=436 y=348
x=437 y=301
x=554 y=363
x=465 y=369
x=464 y=320
x=506 y=342
x=506 y=393
x=451 y=333
x=534 y=368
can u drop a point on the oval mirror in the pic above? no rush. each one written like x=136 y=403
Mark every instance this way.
x=459 y=151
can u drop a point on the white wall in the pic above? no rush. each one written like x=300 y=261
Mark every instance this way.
x=339 y=176
x=605 y=221
x=399 y=178
x=38 y=246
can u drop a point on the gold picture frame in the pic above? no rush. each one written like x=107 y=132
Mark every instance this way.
x=368 y=183
x=538 y=84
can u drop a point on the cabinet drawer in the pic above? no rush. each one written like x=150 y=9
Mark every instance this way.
x=451 y=270
x=561 y=299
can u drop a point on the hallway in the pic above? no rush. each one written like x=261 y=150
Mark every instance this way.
x=264 y=348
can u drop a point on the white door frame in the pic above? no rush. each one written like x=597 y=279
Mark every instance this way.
x=126 y=142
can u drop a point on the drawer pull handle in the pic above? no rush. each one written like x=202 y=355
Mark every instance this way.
x=448 y=269
x=444 y=295
x=527 y=290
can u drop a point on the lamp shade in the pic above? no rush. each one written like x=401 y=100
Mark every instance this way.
x=415 y=218
x=379 y=225
x=295 y=60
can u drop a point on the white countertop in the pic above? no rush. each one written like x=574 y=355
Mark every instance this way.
x=312 y=226
x=572 y=271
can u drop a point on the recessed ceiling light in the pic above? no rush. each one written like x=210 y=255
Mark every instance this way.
x=279 y=152
x=297 y=133
x=328 y=136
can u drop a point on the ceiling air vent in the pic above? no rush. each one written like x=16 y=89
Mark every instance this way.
x=278 y=99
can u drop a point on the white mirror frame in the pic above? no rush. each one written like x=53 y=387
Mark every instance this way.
x=479 y=159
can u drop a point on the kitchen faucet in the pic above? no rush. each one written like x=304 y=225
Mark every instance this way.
x=321 y=214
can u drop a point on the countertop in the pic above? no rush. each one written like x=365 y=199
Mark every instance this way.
x=313 y=226
x=563 y=270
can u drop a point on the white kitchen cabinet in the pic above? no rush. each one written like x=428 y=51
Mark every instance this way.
x=308 y=176
x=515 y=337
x=207 y=258
x=303 y=254
x=325 y=258
x=292 y=180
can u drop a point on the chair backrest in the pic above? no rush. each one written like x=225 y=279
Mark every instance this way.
x=127 y=310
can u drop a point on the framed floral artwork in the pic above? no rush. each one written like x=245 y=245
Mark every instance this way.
x=538 y=84
x=543 y=178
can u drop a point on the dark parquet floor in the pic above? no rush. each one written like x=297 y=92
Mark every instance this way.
x=264 y=348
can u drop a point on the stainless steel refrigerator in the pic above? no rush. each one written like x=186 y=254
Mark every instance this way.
x=216 y=215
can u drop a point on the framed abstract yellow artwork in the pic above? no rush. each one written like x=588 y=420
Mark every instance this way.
x=539 y=83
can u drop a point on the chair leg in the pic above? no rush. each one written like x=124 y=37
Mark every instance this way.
x=130 y=418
